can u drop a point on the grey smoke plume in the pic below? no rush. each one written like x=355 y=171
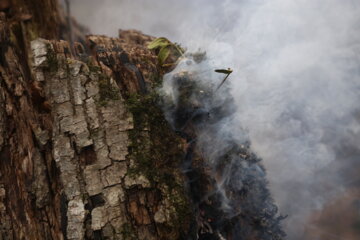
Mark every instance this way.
x=296 y=81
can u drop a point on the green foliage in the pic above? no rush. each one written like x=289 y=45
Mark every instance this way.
x=159 y=43
x=165 y=47
x=163 y=55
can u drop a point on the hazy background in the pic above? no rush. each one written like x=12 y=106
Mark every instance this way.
x=296 y=82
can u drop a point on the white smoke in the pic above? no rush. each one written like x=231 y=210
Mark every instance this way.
x=296 y=79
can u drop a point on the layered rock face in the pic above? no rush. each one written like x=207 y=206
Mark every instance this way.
x=85 y=149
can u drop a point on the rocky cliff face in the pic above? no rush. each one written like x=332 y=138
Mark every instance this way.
x=85 y=150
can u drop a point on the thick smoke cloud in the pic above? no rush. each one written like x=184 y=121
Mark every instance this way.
x=296 y=81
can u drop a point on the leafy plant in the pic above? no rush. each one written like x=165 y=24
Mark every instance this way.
x=165 y=47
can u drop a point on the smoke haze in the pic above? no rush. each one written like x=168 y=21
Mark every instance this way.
x=296 y=82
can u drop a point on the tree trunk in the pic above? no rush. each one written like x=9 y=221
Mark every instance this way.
x=81 y=157
x=85 y=151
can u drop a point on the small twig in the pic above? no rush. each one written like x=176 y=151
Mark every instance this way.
x=224 y=71
x=222 y=82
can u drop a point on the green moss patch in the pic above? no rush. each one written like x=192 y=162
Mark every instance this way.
x=128 y=232
x=53 y=63
x=157 y=153
x=107 y=91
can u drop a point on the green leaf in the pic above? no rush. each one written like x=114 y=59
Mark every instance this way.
x=159 y=43
x=166 y=48
x=179 y=48
x=163 y=54
x=224 y=71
